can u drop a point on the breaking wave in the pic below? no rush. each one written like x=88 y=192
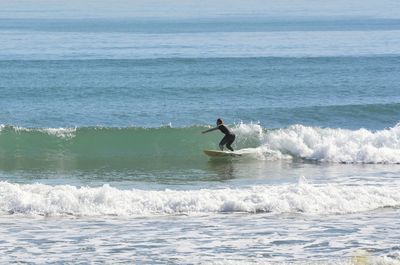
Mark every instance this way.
x=92 y=147
x=338 y=145
x=305 y=198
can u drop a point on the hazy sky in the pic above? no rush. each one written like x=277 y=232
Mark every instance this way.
x=197 y=8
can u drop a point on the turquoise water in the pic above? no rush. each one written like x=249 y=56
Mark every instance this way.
x=101 y=148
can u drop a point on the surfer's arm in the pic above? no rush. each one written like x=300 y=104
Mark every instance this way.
x=209 y=130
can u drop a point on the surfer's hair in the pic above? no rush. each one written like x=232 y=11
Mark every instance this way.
x=219 y=121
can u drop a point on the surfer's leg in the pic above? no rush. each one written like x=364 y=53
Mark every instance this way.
x=223 y=142
x=230 y=141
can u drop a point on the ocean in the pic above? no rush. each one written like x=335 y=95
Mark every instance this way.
x=101 y=150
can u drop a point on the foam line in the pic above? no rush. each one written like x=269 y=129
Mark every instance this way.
x=39 y=199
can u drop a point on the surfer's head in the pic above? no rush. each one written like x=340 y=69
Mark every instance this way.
x=219 y=121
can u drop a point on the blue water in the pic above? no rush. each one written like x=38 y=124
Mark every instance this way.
x=350 y=92
x=101 y=147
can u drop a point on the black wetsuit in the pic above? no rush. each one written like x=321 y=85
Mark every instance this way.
x=228 y=138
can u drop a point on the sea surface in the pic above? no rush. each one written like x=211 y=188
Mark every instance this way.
x=101 y=151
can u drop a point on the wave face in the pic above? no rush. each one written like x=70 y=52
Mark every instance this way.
x=94 y=147
x=79 y=148
x=115 y=148
x=40 y=199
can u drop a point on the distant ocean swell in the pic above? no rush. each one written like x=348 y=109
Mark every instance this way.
x=71 y=148
x=40 y=199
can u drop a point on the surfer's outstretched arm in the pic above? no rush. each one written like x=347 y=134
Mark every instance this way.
x=209 y=130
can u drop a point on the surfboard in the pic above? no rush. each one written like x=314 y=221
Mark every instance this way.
x=218 y=153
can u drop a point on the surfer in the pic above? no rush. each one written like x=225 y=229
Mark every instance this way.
x=228 y=138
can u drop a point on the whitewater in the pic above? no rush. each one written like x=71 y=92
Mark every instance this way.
x=39 y=199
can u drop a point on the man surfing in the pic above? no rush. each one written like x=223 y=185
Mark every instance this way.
x=228 y=138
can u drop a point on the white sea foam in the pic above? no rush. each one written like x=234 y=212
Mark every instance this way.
x=58 y=132
x=250 y=129
x=249 y=140
x=337 y=145
x=320 y=144
x=262 y=153
x=27 y=199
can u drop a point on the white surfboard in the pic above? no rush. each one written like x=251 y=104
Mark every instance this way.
x=218 y=153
